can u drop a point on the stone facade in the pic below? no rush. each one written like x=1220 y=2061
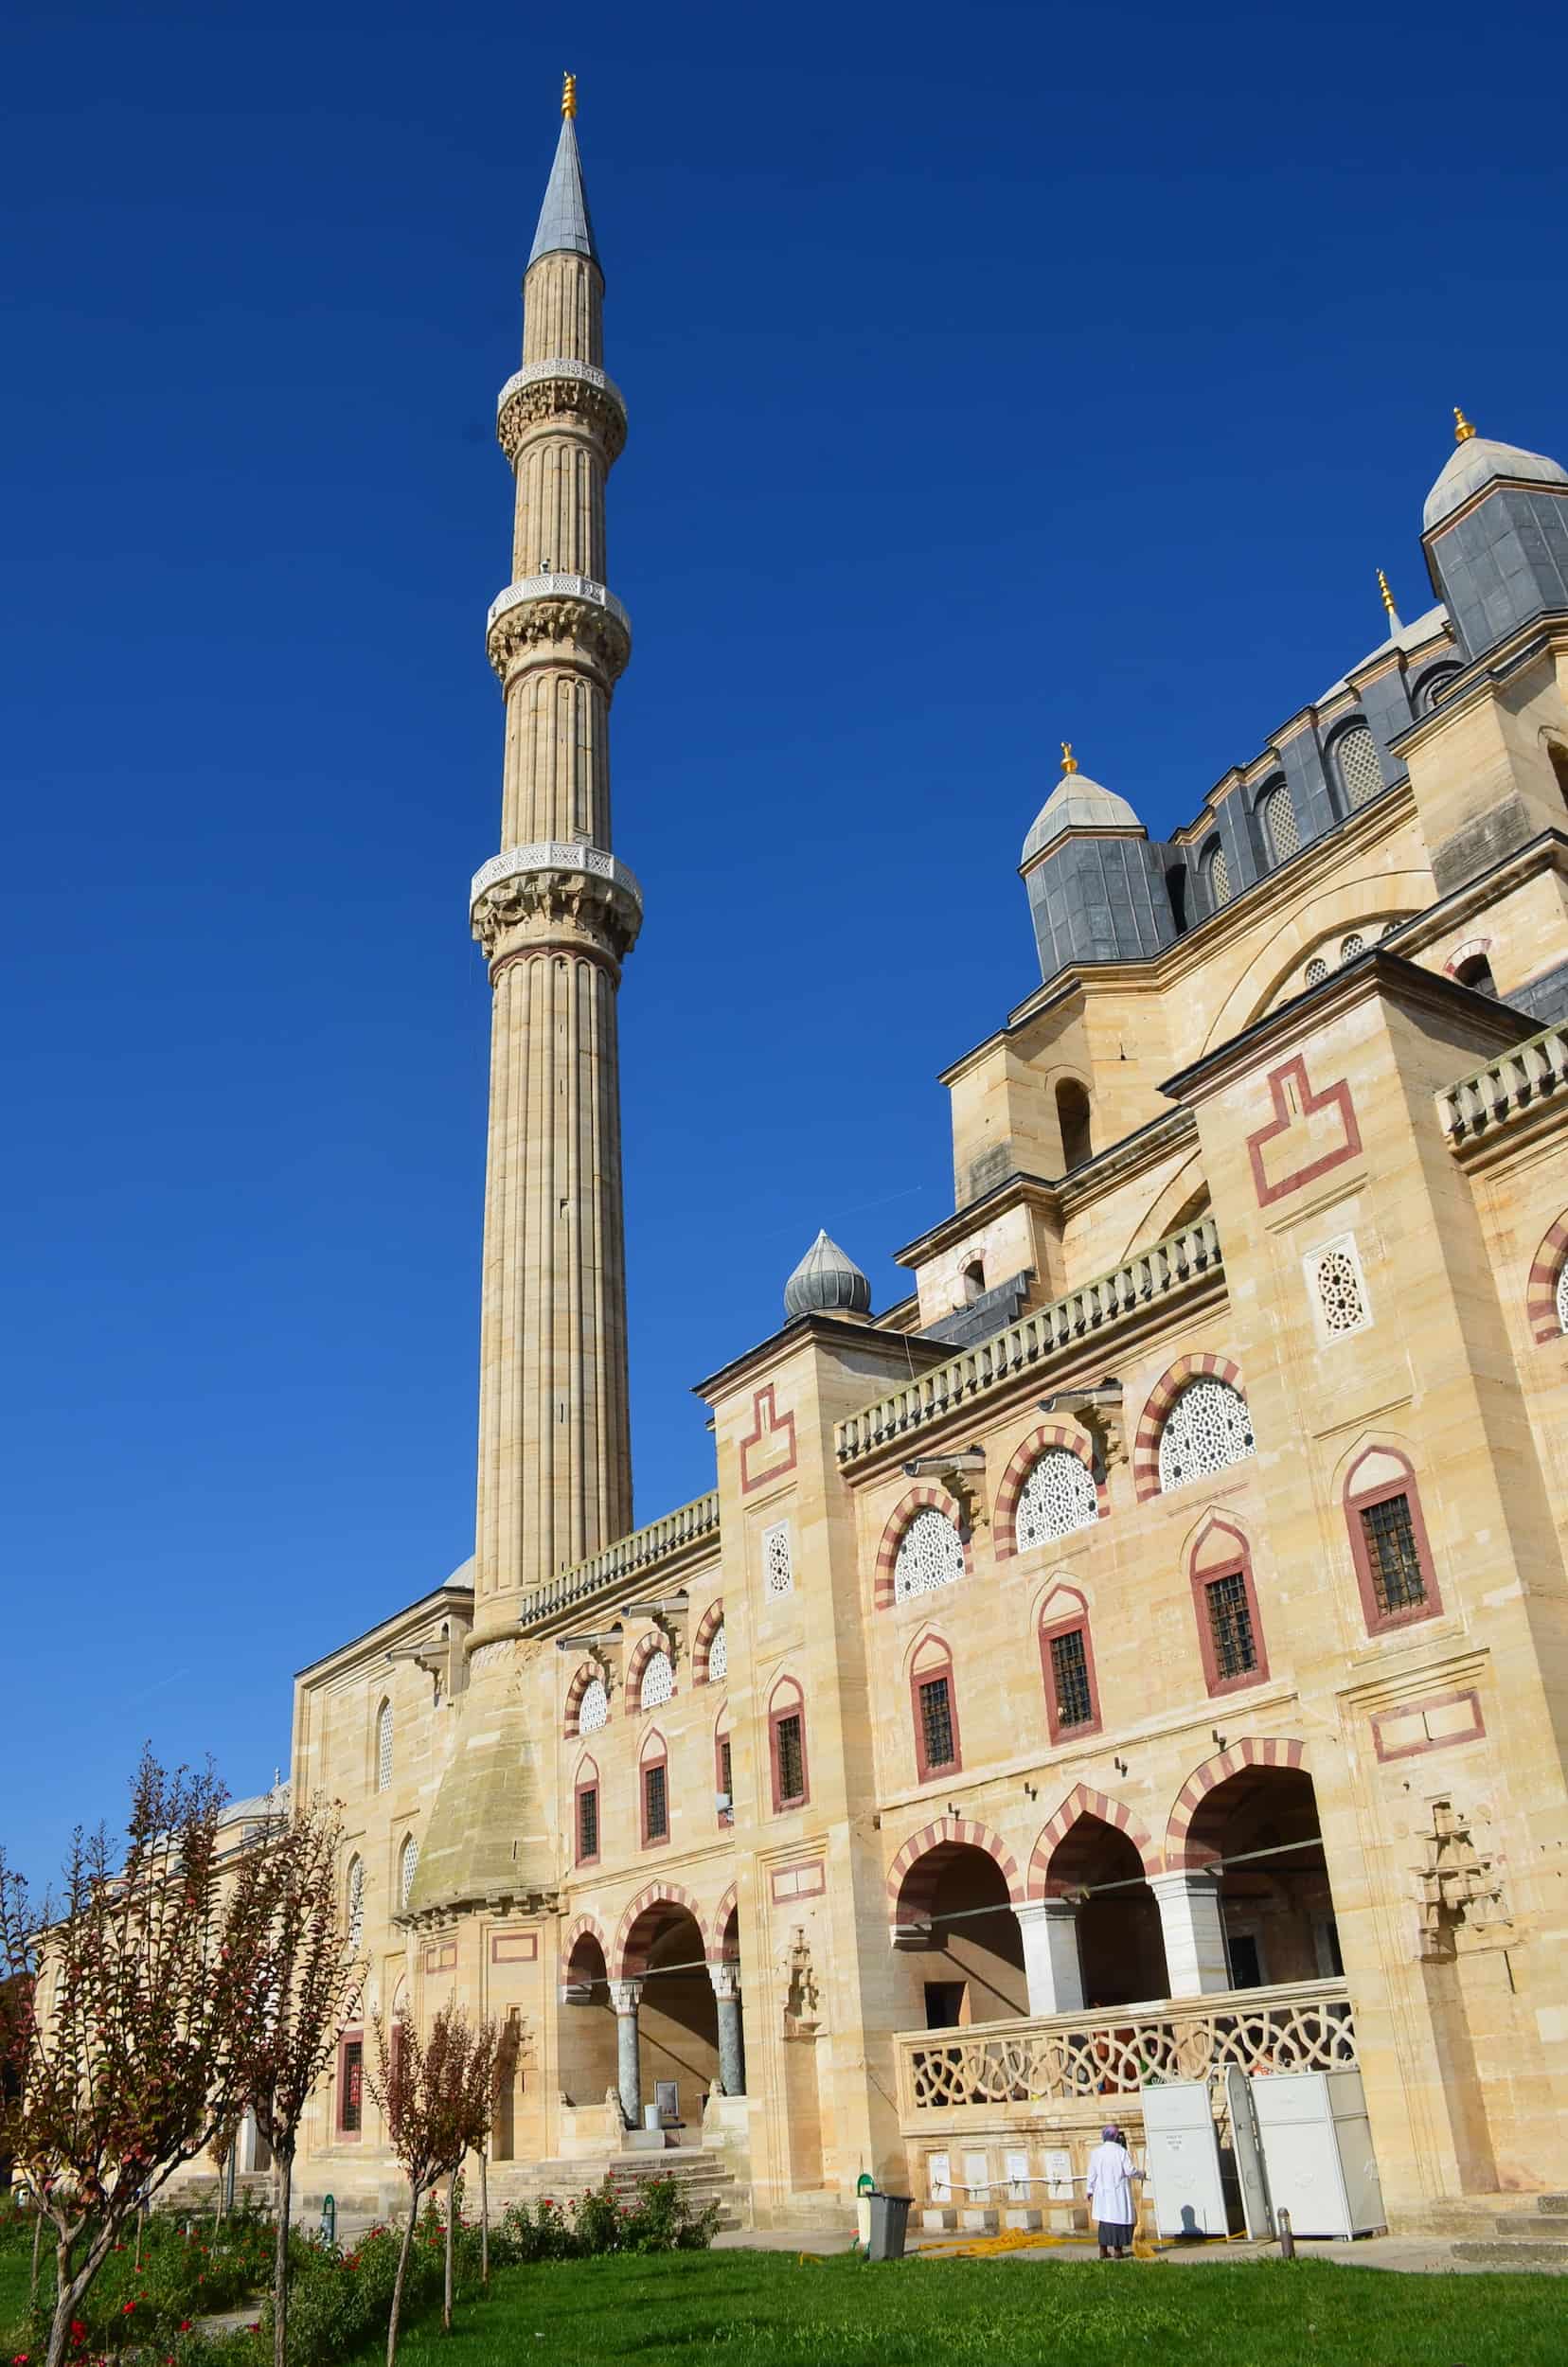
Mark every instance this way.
x=1145 y=1645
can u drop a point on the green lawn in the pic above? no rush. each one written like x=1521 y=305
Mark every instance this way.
x=767 y=2308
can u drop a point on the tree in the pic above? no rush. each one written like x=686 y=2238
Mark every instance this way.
x=136 y=1986
x=436 y=2095
x=308 y=1983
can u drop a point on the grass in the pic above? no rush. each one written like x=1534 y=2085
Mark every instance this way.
x=766 y=2310
x=15 y=2274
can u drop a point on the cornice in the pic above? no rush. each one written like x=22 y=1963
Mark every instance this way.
x=372 y=1641
x=830 y=1331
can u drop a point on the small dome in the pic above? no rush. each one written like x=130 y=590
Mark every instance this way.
x=826 y=1283
x=1474 y=461
x=1077 y=803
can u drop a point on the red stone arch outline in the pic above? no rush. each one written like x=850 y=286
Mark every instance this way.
x=721 y=1914
x=918 y=1500
x=1081 y=1802
x=1540 y=1291
x=575 y=1692
x=712 y=1620
x=1039 y=1442
x=1466 y=952
x=654 y=1641
x=629 y=1962
x=585 y=1928
x=1151 y=1421
x=1265 y=1751
x=949 y=1830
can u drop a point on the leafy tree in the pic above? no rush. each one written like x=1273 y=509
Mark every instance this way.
x=137 y=1984
x=435 y=2094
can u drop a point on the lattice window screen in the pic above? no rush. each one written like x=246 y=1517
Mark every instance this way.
x=1217 y=872
x=384 y=1747
x=718 y=1658
x=658 y=1682
x=1352 y=945
x=356 y=1904
x=407 y=1867
x=1361 y=774
x=1339 y=1293
x=777 y=1564
x=1279 y=824
x=593 y=1708
x=1317 y=971
x=1208 y=1429
x=1058 y=1497
x=930 y=1554
x=1562 y=1297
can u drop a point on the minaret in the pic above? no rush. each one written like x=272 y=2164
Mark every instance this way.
x=556 y=914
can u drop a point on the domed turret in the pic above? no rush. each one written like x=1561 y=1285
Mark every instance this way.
x=1476 y=461
x=826 y=1283
x=1077 y=803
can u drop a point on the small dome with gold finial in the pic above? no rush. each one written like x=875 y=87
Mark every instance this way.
x=1474 y=461
x=1077 y=803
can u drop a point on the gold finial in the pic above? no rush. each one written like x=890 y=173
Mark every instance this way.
x=568 y=95
x=1387 y=595
x=1069 y=762
x=1461 y=428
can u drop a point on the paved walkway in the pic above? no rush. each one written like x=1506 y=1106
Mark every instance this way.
x=1405 y=2254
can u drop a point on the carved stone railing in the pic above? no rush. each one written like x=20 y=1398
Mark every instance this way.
x=1520 y=1079
x=553 y=855
x=556 y=587
x=1185 y=1256
x=1071 y=2058
x=635 y=1556
x=559 y=365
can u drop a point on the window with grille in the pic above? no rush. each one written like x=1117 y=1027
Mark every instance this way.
x=1562 y=1297
x=726 y=1777
x=384 y=1747
x=1057 y=1498
x=1217 y=875
x=718 y=1658
x=1339 y=1293
x=658 y=1681
x=1208 y=1430
x=655 y=1803
x=1361 y=774
x=1279 y=824
x=936 y=1703
x=351 y=2103
x=1392 y=1557
x=587 y=1834
x=1317 y=971
x=930 y=1554
x=1070 y=1690
x=790 y=1758
x=1230 y=1625
x=777 y=1565
x=1352 y=945
x=408 y=1865
x=593 y=1708
x=356 y=1904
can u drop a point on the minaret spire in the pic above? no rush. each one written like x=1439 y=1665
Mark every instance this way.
x=556 y=914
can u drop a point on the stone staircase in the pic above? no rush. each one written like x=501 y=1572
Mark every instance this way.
x=1523 y=2239
x=702 y=2176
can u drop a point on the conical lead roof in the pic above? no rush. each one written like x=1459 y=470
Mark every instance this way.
x=565 y=225
x=826 y=1283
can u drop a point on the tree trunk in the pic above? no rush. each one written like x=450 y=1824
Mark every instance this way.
x=398 y=2281
x=141 y=2222
x=452 y=2217
x=38 y=2241
x=69 y=2289
x=484 y=2217
x=284 y=2164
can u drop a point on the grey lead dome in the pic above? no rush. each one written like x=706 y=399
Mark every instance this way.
x=1078 y=803
x=826 y=1283
x=1475 y=463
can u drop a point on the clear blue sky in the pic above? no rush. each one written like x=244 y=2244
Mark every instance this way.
x=995 y=374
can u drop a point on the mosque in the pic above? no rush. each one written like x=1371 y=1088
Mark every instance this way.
x=1140 y=1653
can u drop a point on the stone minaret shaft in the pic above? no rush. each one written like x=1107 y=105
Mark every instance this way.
x=556 y=914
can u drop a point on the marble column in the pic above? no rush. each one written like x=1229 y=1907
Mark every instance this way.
x=1193 y=1924
x=625 y=1995
x=1051 y=1965
x=732 y=2049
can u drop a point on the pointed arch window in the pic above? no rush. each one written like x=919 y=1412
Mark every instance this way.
x=787 y=1746
x=408 y=1865
x=658 y=1681
x=1389 y=1543
x=1067 y=1665
x=1224 y=1599
x=718 y=1658
x=934 y=1704
x=593 y=1708
x=355 y=1893
x=1356 y=762
x=654 y=1790
x=1217 y=878
x=1208 y=1429
x=1058 y=1498
x=586 y=1813
x=384 y=1747
x=930 y=1554
x=1279 y=822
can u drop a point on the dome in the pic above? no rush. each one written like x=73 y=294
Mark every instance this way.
x=1077 y=803
x=826 y=1283
x=1474 y=461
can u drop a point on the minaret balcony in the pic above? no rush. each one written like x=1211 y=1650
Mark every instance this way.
x=557 y=882
x=571 y=615
x=545 y=393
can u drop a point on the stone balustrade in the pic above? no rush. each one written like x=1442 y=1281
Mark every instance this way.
x=1182 y=1258
x=636 y=1556
x=557 y=588
x=1067 y=2058
x=1522 y=1078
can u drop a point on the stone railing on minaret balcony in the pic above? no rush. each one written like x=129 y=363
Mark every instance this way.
x=558 y=389
x=565 y=612
x=1178 y=1263
x=566 y=882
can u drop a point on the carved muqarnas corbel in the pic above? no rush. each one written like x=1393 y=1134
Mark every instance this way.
x=802 y=2004
x=1459 y=1891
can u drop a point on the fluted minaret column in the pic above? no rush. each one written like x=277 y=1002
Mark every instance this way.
x=556 y=914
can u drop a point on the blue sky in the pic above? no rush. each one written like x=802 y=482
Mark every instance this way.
x=994 y=376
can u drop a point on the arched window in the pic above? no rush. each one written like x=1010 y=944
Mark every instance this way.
x=1559 y=758
x=654 y=1787
x=931 y=1554
x=593 y=1708
x=384 y=1747
x=1073 y=1117
x=1434 y=687
x=1279 y=822
x=935 y=1708
x=356 y=1904
x=974 y=1281
x=1477 y=973
x=1317 y=971
x=1057 y=1498
x=1356 y=760
x=1216 y=881
x=1230 y=1631
x=1176 y=888
x=718 y=1658
x=586 y=1813
x=408 y=1865
x=1067 y=1665
x=1388 y=1542
x=1562 y=1297
x=658 y=1681
x=1208 y=1430
x=1352 y=945
x=787 y=1745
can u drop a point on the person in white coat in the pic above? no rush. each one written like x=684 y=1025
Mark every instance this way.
x=1109 y=2187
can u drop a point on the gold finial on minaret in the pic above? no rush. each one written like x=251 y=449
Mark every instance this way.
x=1461 y=428
x=568 y=95
x=1069 y=762
x=1387 y=595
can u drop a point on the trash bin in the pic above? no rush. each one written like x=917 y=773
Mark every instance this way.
x=889 y=2220
x=653 y=2117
